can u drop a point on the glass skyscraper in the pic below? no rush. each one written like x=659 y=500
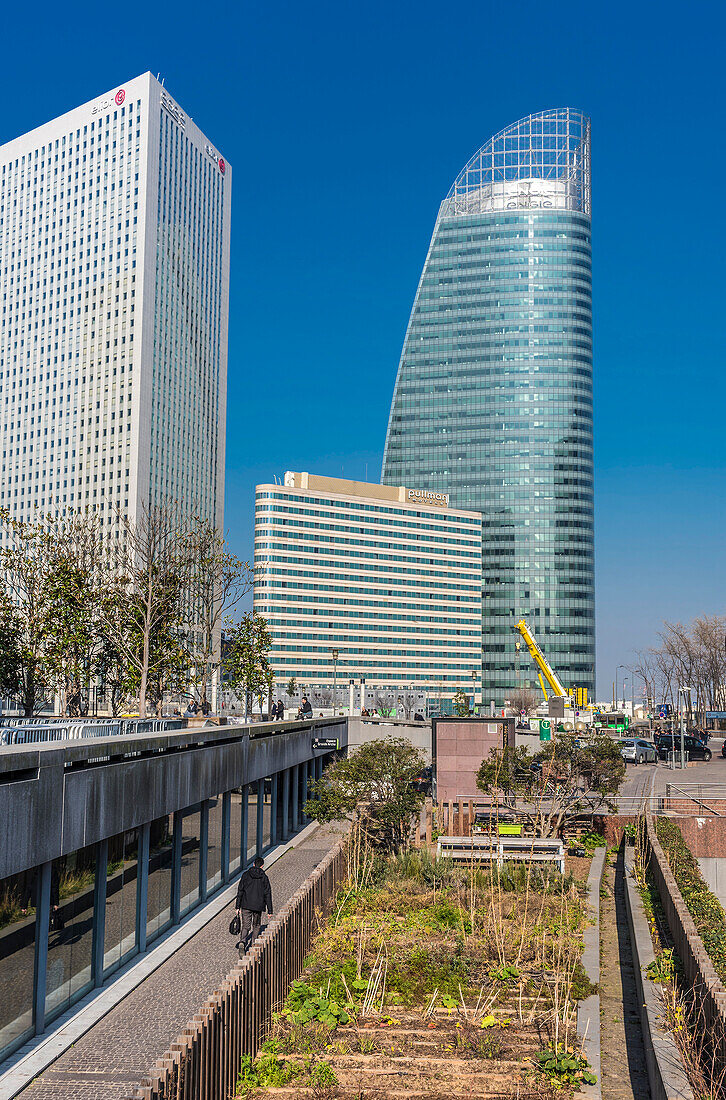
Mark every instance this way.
x=493 y=398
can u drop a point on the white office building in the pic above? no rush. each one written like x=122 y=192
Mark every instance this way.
x=372 y=583
x=114 y=282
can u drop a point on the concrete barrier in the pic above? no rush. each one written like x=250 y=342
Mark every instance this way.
x=666 y=1072
x=699 y=971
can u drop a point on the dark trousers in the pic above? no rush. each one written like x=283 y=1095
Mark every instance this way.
x=250 y=923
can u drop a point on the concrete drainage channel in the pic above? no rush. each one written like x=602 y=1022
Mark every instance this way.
x=588 y=1013
x=666 y=1073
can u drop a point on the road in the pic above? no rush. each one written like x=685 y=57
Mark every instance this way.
x=644 y=779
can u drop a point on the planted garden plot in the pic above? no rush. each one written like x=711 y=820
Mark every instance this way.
x=432 y=980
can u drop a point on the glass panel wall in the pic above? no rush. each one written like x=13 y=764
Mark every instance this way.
x=266 y=811
x=17 y=957
x=158 y=906
x=189 y=895
x=70 y=937
x=119 y=940
x=235 y=831
x=214 y=844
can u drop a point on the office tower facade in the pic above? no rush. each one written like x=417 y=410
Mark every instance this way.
x=493 y=397
x=388 y=577
x=114 y=282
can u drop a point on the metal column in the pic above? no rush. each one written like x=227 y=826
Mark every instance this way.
x=260 y=816
x=286 y=776
x=295 y=775
x=99 y=912
x=142 y=886
x=176 y=855
x=42 y=931
x=226 y=815
x=244 y=840
x=305 y=773
x=273 y=810
x=203 y=848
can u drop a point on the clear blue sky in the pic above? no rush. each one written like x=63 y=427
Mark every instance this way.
x=345 y=125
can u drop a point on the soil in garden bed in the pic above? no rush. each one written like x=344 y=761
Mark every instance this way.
x=434 y=981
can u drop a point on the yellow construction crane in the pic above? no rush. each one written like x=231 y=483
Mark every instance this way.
x=546 y=670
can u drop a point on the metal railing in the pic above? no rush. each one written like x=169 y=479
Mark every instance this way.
x=205 y=1059
x=25 y=731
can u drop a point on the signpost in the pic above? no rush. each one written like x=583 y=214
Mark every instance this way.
x=545 y=730
x=327 y=744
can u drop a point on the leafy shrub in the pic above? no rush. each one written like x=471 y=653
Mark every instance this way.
x=304 y=1006
x=563 y=1066
x=269 y=1071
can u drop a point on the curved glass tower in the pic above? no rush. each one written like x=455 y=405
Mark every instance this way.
x=493 y=398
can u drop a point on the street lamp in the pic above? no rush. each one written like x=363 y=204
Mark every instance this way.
x=625 y=680
x=475 y=677
x=335 y=654
x=682 y=691
x=617 y=697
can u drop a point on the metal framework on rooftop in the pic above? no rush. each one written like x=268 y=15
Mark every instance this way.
x=552 y=145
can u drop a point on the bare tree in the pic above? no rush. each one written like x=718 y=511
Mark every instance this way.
x=147 y=611
x=219 y=581
x=689 y=656
x=524 y=701
x=407 y=702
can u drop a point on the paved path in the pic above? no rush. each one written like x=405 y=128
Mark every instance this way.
x=624 y=1074
x=111 y=1058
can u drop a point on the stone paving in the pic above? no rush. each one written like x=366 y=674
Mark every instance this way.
x=111 y=1058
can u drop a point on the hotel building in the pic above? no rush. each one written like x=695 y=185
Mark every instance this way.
x=114 y=282
x=386 y=576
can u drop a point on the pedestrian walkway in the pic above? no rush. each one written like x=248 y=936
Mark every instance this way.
x=117 y=1052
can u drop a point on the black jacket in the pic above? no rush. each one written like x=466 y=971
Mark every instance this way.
x=254 y=891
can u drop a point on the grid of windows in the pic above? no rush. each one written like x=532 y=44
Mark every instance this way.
x=493 y=405
x=114 y=273
x=69 y=212
x=187 y=394
x=397 y=590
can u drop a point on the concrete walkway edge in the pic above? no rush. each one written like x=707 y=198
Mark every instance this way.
x=39 y=1053
x=666 y=1072
x=588 y=1012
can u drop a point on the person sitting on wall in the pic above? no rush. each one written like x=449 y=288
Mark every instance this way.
x=306 y=710
x=418 y=717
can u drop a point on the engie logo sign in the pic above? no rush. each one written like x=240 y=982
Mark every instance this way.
x=219 y=161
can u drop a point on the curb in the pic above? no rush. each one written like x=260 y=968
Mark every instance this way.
x=588 y=1012
x=666 y=1073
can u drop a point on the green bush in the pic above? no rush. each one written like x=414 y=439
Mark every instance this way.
x=705 y=908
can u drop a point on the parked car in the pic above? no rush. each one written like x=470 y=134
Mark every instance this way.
x=635 y=751
x=421 y=782
x=692 y=745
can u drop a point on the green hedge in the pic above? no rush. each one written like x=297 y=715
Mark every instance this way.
x=705 y=908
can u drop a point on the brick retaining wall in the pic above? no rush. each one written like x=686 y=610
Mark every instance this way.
x=698 y=969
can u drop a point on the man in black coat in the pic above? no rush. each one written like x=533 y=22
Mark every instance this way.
x=254 y=895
